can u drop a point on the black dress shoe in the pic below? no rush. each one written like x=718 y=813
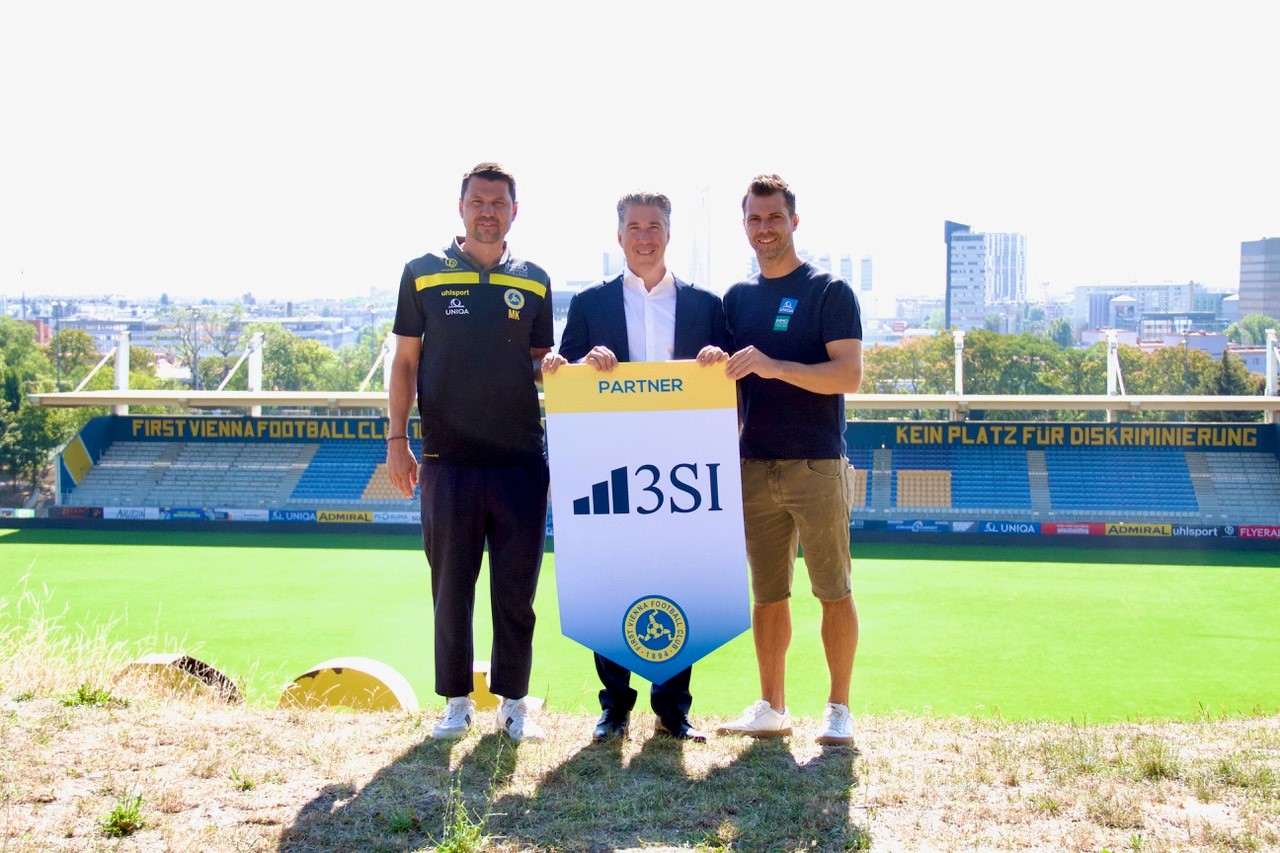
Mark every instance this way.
x=680 y=731
x=611 y=725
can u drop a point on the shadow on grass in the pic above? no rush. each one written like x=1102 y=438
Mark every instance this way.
x=761 y=798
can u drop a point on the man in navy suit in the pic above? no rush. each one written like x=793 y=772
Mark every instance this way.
x=644 y=314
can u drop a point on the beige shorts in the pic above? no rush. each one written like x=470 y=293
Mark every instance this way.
x=790 y=502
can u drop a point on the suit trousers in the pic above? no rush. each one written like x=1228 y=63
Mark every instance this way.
x=670 y=700
x=463 y=508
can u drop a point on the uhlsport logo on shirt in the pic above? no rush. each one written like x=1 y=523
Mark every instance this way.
x=655 y=628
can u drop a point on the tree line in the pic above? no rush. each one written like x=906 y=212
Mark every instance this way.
x=1025 y=364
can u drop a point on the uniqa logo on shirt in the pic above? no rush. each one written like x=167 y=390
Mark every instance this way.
x=456 y=307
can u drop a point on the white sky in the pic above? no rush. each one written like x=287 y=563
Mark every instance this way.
x=310 y=149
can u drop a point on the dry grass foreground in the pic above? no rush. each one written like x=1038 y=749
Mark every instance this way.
x=91 y=763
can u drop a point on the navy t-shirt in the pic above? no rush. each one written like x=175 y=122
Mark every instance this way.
x=791 y=318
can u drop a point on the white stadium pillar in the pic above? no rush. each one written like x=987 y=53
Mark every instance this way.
x=958 y=335
x=1273 y=364
x=122 y=370
x=255 y=370
x=1113 y=369
x=388 y=356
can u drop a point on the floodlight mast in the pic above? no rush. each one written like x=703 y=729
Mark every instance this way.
x=959 y=341
x=1273 y=363
x=122 y=370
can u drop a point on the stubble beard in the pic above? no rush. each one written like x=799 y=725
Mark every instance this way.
x=487 y=234
x=773 y=251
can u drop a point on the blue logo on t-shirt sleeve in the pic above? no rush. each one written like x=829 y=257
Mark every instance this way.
x=788 y=306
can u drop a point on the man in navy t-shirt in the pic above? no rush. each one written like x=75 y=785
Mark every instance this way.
x=797 y=338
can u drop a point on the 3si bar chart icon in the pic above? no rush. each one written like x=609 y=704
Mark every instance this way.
x=598 y=503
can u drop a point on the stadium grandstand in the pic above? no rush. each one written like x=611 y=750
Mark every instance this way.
x=965 y=474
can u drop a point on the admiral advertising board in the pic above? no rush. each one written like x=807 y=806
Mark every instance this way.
x=131 y=513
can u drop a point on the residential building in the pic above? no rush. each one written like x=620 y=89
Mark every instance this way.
x=1151 y=309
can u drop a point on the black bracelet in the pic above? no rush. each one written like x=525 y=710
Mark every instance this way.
x=394 y=437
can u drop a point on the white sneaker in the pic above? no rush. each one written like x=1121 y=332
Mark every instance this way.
x=760 y=720
x=516 y=720
x=837 y=726
x=459 y=714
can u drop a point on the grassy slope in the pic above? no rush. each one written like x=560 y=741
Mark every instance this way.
x=1070 y=635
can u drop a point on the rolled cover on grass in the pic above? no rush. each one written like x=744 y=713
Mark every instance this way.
x=186 y=674
x=358 y=684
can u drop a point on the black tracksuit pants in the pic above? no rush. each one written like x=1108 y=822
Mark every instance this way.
x=463 y=507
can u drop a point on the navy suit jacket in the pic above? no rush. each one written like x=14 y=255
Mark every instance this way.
x=597 y=318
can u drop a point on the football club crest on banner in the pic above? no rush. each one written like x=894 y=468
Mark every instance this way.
x=647 y=500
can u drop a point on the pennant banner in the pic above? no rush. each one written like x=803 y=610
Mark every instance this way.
x=646 y=498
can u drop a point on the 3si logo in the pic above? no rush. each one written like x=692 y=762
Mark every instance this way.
x=451 y=263
x=684 y=491
x=655 y=628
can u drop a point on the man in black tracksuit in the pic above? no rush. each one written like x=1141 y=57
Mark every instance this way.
x=471 y=324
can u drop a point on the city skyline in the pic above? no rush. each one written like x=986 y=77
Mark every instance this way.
x=159 y=149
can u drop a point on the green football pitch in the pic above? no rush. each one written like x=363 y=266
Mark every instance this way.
x=1082 y=634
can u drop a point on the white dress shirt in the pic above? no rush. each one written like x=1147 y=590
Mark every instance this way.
x=651 y=317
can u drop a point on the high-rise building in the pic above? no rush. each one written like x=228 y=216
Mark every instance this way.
x=1260 y=277
x=967 y=281
x=949 y=232
x=700 y=262
x=982 y=269
x=865 y=285
x=614 y=263
x=1006 y=267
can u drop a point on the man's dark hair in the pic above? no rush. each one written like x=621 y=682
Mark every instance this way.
x=646 y=199
x=764 y=185
x=490 y=172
